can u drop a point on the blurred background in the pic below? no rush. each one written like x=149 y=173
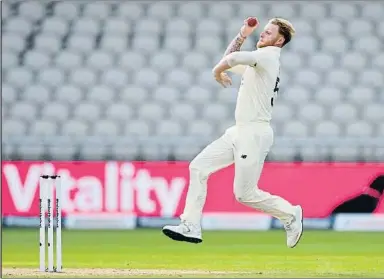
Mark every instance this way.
x=126 y=80
x=126 y=88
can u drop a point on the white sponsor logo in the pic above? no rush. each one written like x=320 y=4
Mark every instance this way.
x=123 y=189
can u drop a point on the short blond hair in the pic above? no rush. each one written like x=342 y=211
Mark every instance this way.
x=286 y=28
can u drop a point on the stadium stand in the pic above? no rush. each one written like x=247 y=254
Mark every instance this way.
x=130 y=80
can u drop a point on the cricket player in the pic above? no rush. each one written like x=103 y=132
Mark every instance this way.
x=247 y=143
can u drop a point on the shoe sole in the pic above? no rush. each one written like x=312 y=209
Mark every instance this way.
x=179 y=237
x=302 y=229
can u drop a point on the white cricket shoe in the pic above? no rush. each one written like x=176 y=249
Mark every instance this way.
x=294 y=229
x=186 y=231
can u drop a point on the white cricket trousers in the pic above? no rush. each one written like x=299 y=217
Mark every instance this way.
x=246 y=146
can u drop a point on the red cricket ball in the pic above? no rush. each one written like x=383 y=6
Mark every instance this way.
x=252 y=21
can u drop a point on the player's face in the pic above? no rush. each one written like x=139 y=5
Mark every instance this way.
x=270 y=36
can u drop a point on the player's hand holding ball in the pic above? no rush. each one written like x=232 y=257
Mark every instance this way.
x=250 y=24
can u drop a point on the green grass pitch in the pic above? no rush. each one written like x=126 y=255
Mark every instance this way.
x=148 y=253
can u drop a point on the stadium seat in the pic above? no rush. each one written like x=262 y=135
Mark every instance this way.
x=130 y=11
x=14 y=126
x=18 y=26
x=343 y=11
x=86 y=26
x=329 y=95
x=87 y=112
x=133 y=95
x=373 y=113
x=178 y=78
x=37 y=94
x=295 y=129
x=47 y=43
x=163 y=61
x=23 y=111
x=359 y=26
x=101 y=94
x=119 y=112
x=145 y=43
x=137 y=127
x=114 y=78
x=246 y=7
x=51 y=77
x=131 y=60
x=208 y=27
x=311 y=113
x=99 y=60
x=359 y=128
x=44 y=128
x=186 y=154
x=147 y=78
x=372 y=10
x=161 y=11
x=68 y=94
x=68 y=60
x=9 y=60
x=55 y=26
x=327 y=129
x=177 y=26
x=62 y=152
x=148 y=26
x=151 y=111
x=66 y=10
x=31 y=152
x=177 y=44
x=82 y=77
x=198 y=94
x=56 y=111
x=98 y=10
x=105 y=128
x=12 y=42
x=345 y=153
x=81 y=43
x=183 y=111
x=322 y=62
x=9 y=94
x=329 y=27
x=74 y=128
x=124 y=152
x=195 y=61
x=37 y=60
x=19 y=77
x=344 y=113
x=114 y=43
x=165 y=95
x=92 y=153
x=167 y=128
x=354 y=61
x=190 y=10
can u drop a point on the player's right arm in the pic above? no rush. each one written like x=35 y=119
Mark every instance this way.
x=236 y=44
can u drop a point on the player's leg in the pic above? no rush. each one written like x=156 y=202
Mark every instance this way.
x=250 y=153
x=217 y=155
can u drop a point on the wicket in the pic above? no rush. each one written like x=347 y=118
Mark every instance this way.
x=48 y=185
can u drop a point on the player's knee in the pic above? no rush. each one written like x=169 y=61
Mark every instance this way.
x=241 y=195
x=245 y=195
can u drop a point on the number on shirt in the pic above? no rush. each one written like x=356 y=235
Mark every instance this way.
x=276 y=89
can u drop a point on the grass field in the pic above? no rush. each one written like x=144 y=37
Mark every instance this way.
x=147 y=253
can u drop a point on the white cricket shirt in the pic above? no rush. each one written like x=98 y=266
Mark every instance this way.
x=259 y=84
